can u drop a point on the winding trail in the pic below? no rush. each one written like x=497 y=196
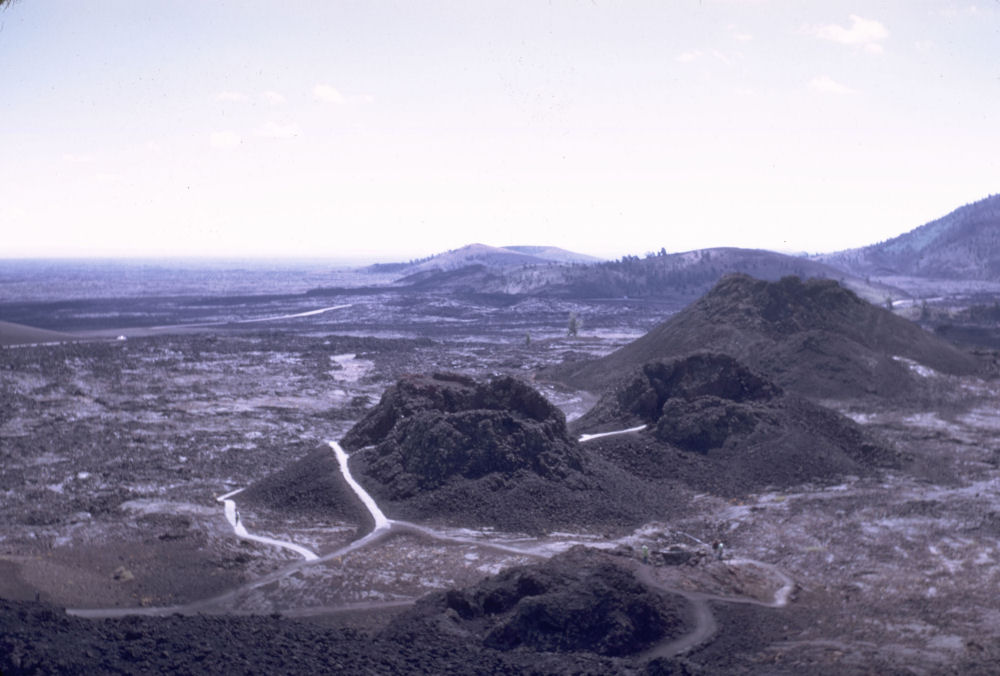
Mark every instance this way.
x=342 y=458
x=239 y=528
x=274 y=318
x=590 y=437
x=705 y=625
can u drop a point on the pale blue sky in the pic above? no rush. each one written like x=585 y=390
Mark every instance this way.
x=397 y=129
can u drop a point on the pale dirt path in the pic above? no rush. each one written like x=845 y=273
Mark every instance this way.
x=705 y=624
x=240 y=529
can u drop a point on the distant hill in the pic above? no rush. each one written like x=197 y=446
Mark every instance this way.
x=680 y=277
x=814 y=338
x=483 y=254
x=964 y=245
x=554 y=253
x=684 y=276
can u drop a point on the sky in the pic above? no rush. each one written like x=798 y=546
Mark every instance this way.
x=392 y=130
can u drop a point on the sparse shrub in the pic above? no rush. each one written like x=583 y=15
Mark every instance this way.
x=574 y=324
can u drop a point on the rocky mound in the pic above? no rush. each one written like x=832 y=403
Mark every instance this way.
x=641 y=399
x=428 y=429
x=447 y=448
x=448 y=423
x=814 y=337
x=36 y=638
x=578 y=601
x=736 y=430
x=496 y=453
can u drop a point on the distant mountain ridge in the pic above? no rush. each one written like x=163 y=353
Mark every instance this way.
x=963 y=245
x=946 y=255
x=686 y=275
x=678 y=277
x=486 y=255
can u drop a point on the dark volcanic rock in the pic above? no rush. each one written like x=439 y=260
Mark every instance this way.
x=428 y=429
x=36 y=638
x=579 y=601
x=446 y=447
x=814 y=337
x=719 y=376
x=745 y=431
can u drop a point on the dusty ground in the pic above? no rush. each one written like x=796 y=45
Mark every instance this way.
x=113 y=455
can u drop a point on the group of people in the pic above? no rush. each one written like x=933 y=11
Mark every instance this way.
x=718 y=548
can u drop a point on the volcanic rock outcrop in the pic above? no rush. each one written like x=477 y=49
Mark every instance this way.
x=578 y=601
x=37 y=638
x=498 y=454
x=427 y=429
x=743 y=431
x=813 y=337
x=495 y=453
x=447 y=448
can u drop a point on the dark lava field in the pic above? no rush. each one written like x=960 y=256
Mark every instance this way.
x=777 y=479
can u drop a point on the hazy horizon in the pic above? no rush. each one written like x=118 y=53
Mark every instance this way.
x=385 y=131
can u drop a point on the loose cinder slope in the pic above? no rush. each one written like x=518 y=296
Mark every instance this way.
x=814 y=337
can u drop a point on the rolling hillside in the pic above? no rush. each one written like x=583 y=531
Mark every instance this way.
x=814 y=338
x=483 y=254
x=964 y=245
x=680 y=278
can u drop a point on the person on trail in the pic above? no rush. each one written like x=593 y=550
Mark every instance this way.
x=718 y=548
x=645 y=554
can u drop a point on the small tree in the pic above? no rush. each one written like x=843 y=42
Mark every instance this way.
x=574 y=324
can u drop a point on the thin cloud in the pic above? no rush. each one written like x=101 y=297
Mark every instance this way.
x=952 y=11
x=688 y=57
x=12 y=214
x=225 y=140
x=825 y=84
x=723 y=57
x=278 y=131
x=327 y=94
x=273 y=97
x=866 y=34
x=232 y=97
x=737 y=34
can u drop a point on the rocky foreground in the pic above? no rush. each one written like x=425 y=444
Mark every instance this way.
x=735 y=443
x=582 y=612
